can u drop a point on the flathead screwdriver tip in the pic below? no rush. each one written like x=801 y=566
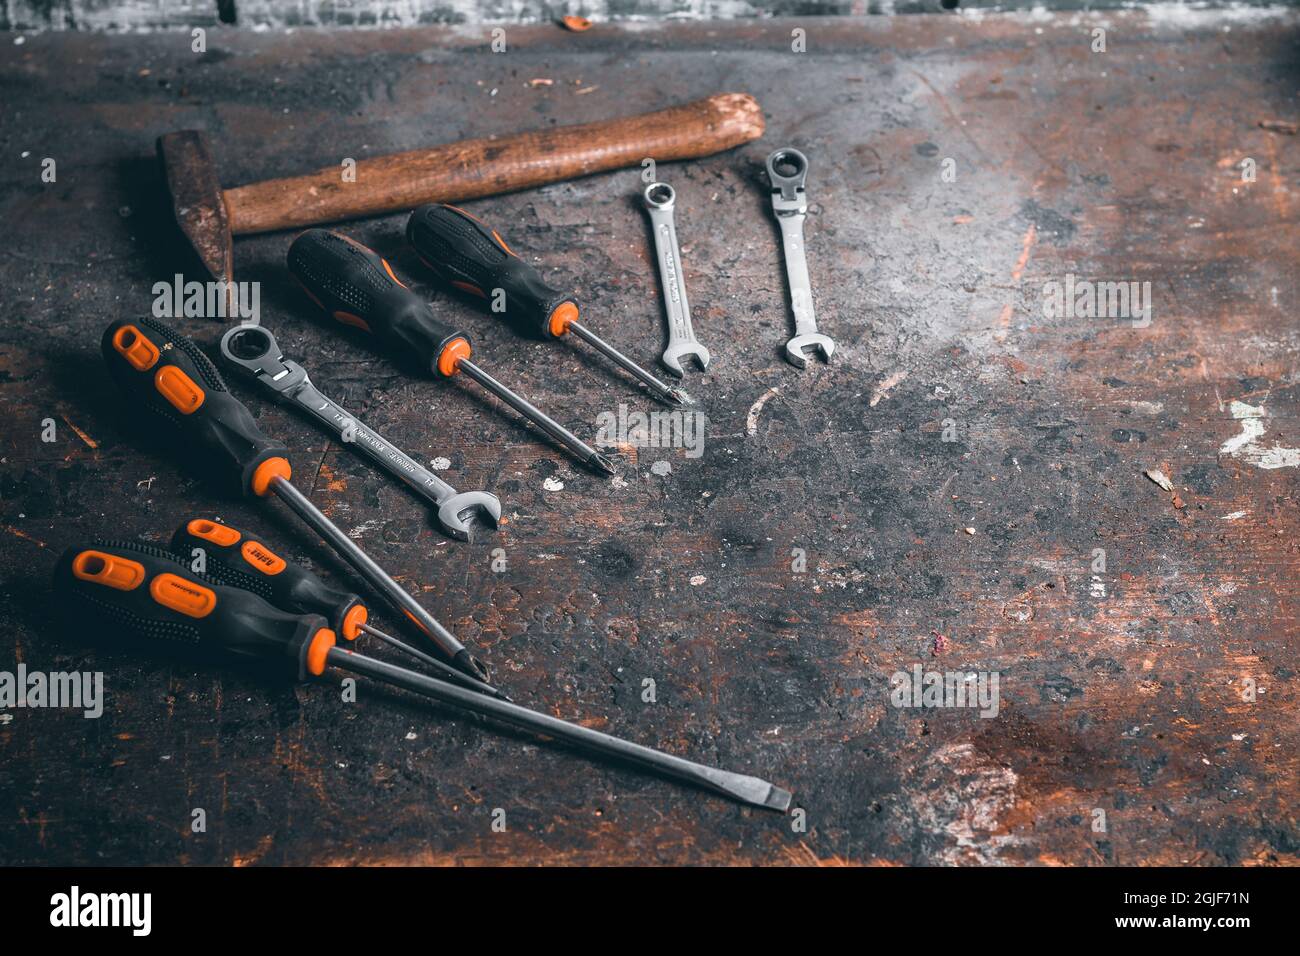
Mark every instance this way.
x=778 y=799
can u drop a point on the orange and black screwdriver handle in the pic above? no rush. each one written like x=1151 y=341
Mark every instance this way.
x=471 y=256
x=238 y=559
x=173 y=382
x=357 y=287
x=146 y=593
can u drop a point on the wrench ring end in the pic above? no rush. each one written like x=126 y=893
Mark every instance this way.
x=248 y=346
x=659 y=196
x=790 y=158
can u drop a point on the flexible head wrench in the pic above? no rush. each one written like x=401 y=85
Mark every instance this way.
x=787 y=168
x=659 y=199
x=253 y=351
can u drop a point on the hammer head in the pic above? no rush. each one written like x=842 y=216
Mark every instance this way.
x=197 y=199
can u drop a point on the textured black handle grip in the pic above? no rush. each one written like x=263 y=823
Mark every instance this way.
x=473 y=257
x=238 y=559
x=147 y=593
x=167 y=374
x=357 y=287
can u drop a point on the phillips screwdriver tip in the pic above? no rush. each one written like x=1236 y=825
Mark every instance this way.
x=680 y=396
x=468 y=664
x=599 y=462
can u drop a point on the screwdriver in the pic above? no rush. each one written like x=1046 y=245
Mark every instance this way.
x=171 y=377
x=357 y=287
x=150 y=594
x=238 y=559
x=473 y=257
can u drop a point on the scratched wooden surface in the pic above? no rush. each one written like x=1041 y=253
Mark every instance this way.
x=1121 y=691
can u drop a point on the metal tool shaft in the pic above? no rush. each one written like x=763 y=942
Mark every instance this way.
x=746 y=789
x=675 y=395
x=660 y=200
x=370 y=443
x=796 y=268
x=428 y=659
x=253 y=352
x=354 y=432
x=787 y=169
x=379 y=579
x=576 y=446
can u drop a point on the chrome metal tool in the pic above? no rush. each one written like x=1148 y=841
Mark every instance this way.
x=787 y=169
x=253 y=351
x=659 y=201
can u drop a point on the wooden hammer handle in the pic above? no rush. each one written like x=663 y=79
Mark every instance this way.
x=486 y=167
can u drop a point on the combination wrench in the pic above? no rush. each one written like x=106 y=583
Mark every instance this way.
x=659 y=199
x=253 y=351
x=790 y=204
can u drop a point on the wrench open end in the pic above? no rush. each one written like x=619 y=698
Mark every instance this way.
x=453 y=512
x=674 y=354
x=796 y=350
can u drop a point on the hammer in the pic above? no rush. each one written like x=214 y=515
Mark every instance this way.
x=210 y=216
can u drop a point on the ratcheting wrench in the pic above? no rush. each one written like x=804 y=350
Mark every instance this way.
x=252 y=350
x=659 y=199
x=791 y=206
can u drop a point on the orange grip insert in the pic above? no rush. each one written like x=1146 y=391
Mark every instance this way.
x=108 y=569
x=497 y=236
x=135 y=348
x=270 y=469
x=389 y=270
x=353 y=620
x=469 y=287
x=565 y=314
x=219 y=534
x=416 y=621
x=356 y=321
x=173 y=591
x=262 y=557
x=322 y=642
x=179 y=389
x=451 y=354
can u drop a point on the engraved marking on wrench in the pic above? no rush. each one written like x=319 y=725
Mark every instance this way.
x=659 y=200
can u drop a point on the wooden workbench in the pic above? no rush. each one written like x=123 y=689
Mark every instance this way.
x=951 y=478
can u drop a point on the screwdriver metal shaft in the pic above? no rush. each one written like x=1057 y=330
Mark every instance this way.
x=576 y=446
x=162 y=370
x=677 y=396
x=740 y=787
x=471 y=256
x=469 y=670
x=428 y=659
x=342 y=276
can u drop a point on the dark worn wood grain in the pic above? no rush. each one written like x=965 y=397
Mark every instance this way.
x=1121 y=690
